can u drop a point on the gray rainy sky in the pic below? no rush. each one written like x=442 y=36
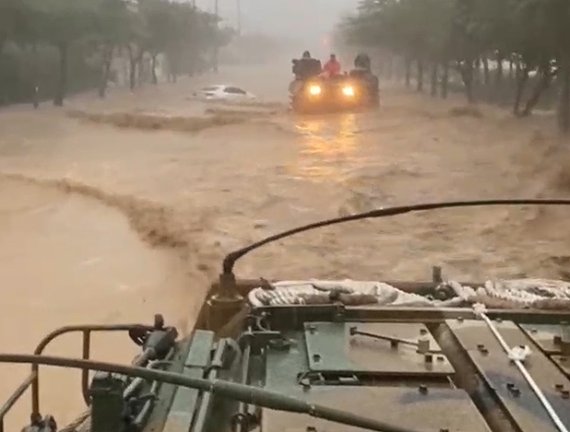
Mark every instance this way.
x=307 y=19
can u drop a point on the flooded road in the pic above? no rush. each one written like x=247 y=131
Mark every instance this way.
x=68 y=259
x=106 y=220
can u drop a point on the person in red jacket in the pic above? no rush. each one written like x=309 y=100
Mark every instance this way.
x=332 y=67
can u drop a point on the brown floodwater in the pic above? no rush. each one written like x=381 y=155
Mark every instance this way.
x=67 y=259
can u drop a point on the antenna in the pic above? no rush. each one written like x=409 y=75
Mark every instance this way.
x=232 y=257
x=227 y=300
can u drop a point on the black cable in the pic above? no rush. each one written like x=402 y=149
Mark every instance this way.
x=231 y=258
x=243 y=393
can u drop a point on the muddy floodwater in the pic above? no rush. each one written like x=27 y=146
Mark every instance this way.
x=113 y=210
x=88 y=266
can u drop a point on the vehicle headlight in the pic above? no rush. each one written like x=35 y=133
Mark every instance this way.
x=348 y=91
x=315 y=90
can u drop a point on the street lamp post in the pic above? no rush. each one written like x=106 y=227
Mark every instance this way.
x=216 y=49
x=238 y=8
x=216 y=13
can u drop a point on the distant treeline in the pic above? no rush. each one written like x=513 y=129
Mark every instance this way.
x=49 y=48
x=497 y=50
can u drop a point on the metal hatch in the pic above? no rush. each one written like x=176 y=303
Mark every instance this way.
x=341 y=347
x=554 y=340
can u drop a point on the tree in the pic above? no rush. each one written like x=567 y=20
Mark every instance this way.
x=111 y=31
x=162 y=28
x=10 y=14
x=64 y=23
x=470 y=35
x=74 y=42
x=13 y=23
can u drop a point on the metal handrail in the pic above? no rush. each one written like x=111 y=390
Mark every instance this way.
x=32 y=380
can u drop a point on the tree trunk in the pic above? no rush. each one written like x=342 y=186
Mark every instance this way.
x=477 y=69
x=140 y=69
x=105 y=70
x=135 y=59
x=36 y=79
x=433 y=90
x=486 y=74
x=542 y=85
x=499 y=76
x=564 y=105
x=153 y=69
x=408 y=71
x=62 y=82
x=173 y=67
x=133 y=74
x=2 y=94
x=511 y=69
x=522 y=79
x=445 y=80
x=420 y=79
x=132 y=69
x=466 y=70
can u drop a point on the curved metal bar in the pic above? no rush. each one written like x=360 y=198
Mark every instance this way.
x=86 y=330
x=231 y=258
x=90 y=328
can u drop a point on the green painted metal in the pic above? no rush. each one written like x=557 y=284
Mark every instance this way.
x=181 y=413
x=108 y=405
x=440 y=408
x=507 y=382
x=331 y=347
x=283 y=367
x=204 y=411
x=383 y=365
x=167 y=391
x=547 y=336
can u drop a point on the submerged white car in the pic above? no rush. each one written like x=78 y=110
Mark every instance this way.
x=224 y=93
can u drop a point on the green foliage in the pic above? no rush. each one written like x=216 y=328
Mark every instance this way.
x=71 y=37
x=465 y=33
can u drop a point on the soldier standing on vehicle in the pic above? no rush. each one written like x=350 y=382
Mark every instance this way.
x=306 y=67
x=362 y=62
x=332 y=67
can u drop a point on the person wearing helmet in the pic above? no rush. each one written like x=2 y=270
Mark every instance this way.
x=332 y=68
x=363 y=71
x=362 y=62
x=306 y=67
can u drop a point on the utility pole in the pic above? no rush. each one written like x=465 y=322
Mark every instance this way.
x=238 y=7
x=216 y=49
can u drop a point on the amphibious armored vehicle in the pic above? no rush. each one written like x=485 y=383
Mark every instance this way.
x=313 y=355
